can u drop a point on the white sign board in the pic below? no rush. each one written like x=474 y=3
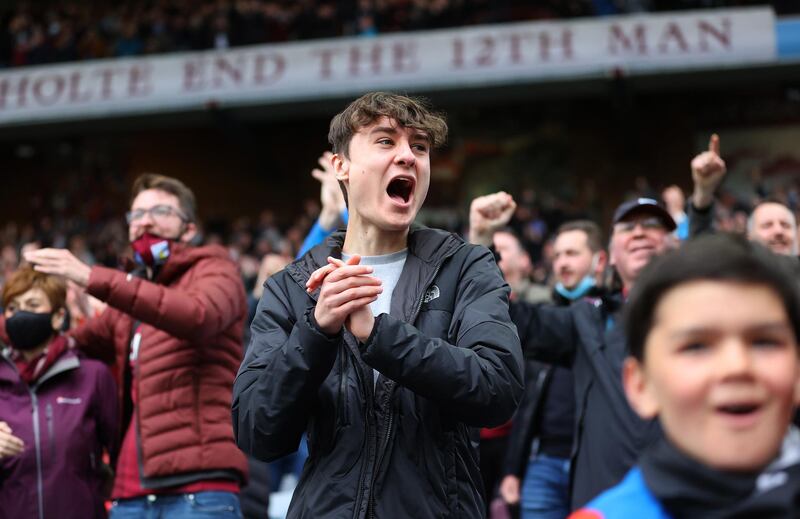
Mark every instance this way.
x=413 y=61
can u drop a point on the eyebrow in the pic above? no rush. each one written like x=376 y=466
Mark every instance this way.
x=394 y=130
x=28 y=300
x=758 y=328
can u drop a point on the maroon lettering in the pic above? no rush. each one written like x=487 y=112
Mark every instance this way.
x=326 y=57
x=47 y=96
x=75 y=94
x=223 y=69
x=22 y=90
x=193 y=71
x=547 y=44
x=4 y=88
x=618 y=39
x=405 y=57
x=721 y=34
x=106 y=77
x=672 y=33
x=357 y=61
x=139 y=80
x=486 y=53
x=515 y=42
x=264 y=75
x=458 y=53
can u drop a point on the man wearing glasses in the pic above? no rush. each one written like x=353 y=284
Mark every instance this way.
x=173 y=333
x=587 y=337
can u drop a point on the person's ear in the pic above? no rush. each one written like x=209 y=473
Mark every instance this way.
x=639 y=390
x=341 y=167
x=797 y=390
x=602 y=262
x=189 y=232
x=57 y=321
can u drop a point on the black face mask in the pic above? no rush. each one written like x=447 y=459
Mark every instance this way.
x=28 y=330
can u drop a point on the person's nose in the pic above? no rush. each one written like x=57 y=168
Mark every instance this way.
x=734 y=359
x=405 y=155
x=638 y=229
x=145 y=223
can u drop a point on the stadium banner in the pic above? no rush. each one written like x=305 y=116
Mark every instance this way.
x=475 y=56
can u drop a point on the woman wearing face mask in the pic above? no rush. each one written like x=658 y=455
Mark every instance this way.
x=58 y=409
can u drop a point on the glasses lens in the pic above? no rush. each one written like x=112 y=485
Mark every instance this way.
x=652 y=223
x=161 y=211
x=132 y=216
x=624 y=227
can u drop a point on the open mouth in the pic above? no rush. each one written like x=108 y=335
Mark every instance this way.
x=738 y=409
x=645 y=248
x=740 y=416
x=400 y=189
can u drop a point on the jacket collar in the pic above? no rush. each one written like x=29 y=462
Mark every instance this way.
x=8 y=371
x=687 y=488
x=427 y=246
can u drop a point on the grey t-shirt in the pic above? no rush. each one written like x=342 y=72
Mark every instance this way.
x=387 y=268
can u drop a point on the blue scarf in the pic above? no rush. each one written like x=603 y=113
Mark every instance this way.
x=580 y=290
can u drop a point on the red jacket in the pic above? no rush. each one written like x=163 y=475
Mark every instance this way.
x=192 y=320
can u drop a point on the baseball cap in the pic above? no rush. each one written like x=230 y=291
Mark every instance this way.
x=644 y=206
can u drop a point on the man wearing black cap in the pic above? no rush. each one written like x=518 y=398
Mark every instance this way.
x=586 y=337
x=639 y=231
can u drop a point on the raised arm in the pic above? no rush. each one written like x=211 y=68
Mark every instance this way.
x=708 y=171
x=213 y=301
x=332 y=202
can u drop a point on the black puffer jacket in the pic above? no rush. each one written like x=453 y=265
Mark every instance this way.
x=406 y=446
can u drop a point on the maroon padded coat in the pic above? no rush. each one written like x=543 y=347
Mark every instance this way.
x=192 y=319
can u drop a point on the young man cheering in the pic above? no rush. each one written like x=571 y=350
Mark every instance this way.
x=390 y=344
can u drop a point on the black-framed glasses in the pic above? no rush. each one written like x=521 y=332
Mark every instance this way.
x=157 y=212
x=649 y=223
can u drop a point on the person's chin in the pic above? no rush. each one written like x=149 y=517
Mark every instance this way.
x=396 y=224
x=570 y=282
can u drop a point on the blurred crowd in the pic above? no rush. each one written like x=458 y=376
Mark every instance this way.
x=92 y=227
x=34 y=33
x=172 y=287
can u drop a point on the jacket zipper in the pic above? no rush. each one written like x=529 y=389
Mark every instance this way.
x=37 y=434
x=366 y=387
x=368 y=402
x=342 y=381
x=390 y=412
x=48 y=410
x=370 y=502
x=37 y=441
x=382 y=451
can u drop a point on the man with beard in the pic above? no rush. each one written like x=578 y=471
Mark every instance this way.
x=544 y=422
x=172 y=332
x=774 y=225
x=771 y=222
x=543 y=433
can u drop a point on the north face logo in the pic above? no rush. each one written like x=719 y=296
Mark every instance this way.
x=431 y=294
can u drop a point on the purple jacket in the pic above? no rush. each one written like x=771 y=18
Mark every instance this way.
x=65 y=419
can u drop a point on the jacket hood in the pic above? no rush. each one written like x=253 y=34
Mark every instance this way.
x=431 y=246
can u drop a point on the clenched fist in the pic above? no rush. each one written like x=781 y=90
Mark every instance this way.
x=489 y=213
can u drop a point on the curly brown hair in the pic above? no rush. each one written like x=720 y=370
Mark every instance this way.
x=409 y=112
